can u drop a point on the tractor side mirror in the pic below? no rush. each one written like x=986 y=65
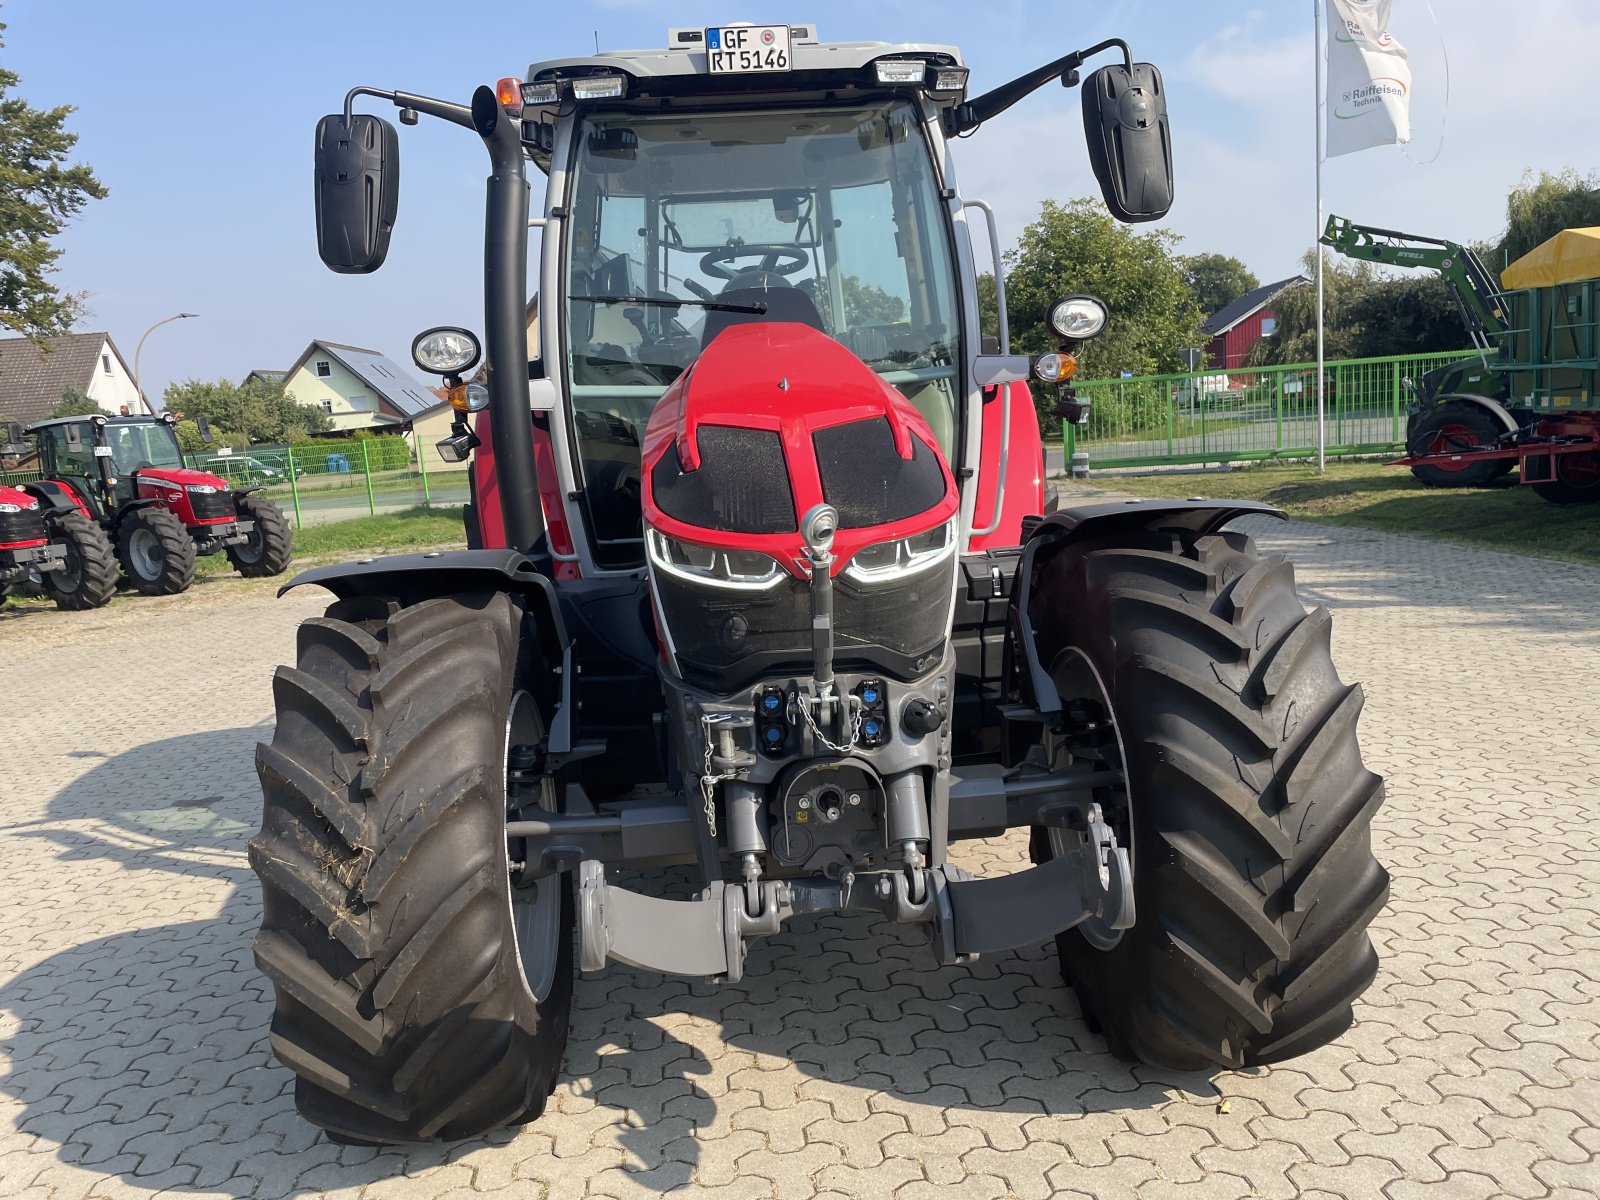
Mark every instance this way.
x=358 y=191
x=204 y=426
x=1130 y=141
x=16 y=441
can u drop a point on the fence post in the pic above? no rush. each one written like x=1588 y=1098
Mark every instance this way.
x=1394 y=385
x=1172 y=403
x=366 y=467
x=1277 y=408
x=294 y=488
x=422 y=467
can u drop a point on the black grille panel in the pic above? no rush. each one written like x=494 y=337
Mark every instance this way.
x=864 y=477
x=210 y=506
x=24 y=526
x=742 y=485
x=725 y=640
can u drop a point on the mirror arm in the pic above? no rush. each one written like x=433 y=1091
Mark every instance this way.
x=458 y=114
x=963 y=118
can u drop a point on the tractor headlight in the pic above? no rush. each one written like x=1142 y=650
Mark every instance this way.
x=446 y=351
x=1078 y=317
x=903 y=557
x=14 y=508
x=741 y=570
x=201 y=489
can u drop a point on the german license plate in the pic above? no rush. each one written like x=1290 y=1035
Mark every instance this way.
x=735 y=49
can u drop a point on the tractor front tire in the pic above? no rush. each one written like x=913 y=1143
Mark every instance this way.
x=88 y=579
x=388 y=928
x=271 y=543
x=156 y=551
x=1456 y=425
x=1253 y=874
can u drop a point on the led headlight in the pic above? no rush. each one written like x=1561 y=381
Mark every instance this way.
x=885 y=561
x=740 y=570
x=202 y=489
x=446 y=351
x=1078 y=317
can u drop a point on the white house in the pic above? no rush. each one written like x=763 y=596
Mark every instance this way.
x=357 y=388
x=32 y=381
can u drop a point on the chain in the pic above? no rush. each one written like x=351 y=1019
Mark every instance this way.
x=709 y=780
x=798 y=705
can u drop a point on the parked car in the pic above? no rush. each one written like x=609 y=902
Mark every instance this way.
x=242 y=468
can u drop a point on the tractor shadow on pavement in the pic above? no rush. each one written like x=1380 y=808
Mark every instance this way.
x=143 y=1054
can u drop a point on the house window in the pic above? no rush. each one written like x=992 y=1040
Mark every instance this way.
x=1269 y=326
x=105 y=363
x=324 y=370
x=327 y=406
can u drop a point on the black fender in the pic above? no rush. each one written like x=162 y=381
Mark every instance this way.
x=1489 y=405
x=1093 y=522
x=54 y=495
x=410 y=578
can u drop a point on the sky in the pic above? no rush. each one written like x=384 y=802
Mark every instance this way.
x=198 y=116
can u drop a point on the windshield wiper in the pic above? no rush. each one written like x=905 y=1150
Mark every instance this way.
x=759 y=308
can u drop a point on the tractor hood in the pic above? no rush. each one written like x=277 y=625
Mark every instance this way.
x=181 y=478
x=774 y=418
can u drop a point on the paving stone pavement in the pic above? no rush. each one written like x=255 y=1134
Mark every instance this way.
x=133 y=1054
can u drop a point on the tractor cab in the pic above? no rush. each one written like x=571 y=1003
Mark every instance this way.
x=105 y=459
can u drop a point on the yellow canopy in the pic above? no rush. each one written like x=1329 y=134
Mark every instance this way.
x=1572 y=255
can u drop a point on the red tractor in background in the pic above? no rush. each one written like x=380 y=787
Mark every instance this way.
x=127 y=475
x=767 y=588
x=53 y=547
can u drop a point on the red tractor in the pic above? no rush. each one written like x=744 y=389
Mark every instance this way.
x=127 y=475
x=768 y=586
x=53 y=547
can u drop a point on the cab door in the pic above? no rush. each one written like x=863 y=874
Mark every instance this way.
x=68 y=453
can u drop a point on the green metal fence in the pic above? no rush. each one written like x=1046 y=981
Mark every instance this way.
x=1249 y=412
x=334 y=481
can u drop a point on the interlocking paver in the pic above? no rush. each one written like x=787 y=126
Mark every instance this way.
x=133 y=1053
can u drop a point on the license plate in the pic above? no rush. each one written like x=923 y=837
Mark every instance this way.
x=736 y=49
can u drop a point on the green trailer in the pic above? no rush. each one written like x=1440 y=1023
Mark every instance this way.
x=1531 y=400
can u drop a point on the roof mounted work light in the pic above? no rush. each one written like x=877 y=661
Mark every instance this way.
x=901 y=70
x=597 y=87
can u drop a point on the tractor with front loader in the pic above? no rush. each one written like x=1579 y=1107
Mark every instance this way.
x=126 y=474
x=1530 y=401
x=769 y=589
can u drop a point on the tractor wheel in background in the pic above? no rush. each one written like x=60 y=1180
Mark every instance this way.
x=407 y=1007
x=1577 y=480
x=271 y=542
x=1456 y=425
x=88 y=579
x=156 y=551
x=1246 y=800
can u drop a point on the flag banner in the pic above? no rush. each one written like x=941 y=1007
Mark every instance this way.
x=1369 y=79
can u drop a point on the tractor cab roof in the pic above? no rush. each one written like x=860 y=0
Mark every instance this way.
x=103 y=418
x=683 y=72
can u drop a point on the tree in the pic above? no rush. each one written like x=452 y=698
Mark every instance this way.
x=868 y=304
x=73 y=404
x=260 y=411
x=39 y=194
x=1538 y=209
x=1217 y=280
x=1077 y=247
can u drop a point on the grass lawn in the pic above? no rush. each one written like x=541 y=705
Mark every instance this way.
x=1369 y=495
x=399 y=532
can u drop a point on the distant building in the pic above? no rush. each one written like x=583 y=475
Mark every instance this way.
x=1235 y=329
x=33 y=381
x=356 y=388
x=264 y=377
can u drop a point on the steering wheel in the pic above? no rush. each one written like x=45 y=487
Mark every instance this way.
x=782 y=260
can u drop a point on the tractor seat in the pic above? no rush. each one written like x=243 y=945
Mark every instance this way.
x=783 y=304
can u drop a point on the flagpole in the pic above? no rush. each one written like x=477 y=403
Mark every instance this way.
x=1322 y=438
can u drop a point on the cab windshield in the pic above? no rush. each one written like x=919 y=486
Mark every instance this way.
x=827 y=216
x=136 y=446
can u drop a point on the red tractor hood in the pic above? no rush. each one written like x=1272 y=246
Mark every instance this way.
x=797 y=383
x=180 y=477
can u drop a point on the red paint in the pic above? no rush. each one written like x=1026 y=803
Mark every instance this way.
x=170 y=486
x=794 y=380
x=1024 y=495
x=486 y=495
x=11 y=495
x=41 y=486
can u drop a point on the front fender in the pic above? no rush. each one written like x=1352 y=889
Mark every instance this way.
x=1086 y=522
x=411 y=578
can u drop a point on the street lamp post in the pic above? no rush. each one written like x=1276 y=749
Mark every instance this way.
x=138 y=379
